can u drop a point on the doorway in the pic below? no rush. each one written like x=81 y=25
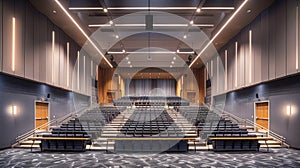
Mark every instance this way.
x=41 y=116
x=262 y=114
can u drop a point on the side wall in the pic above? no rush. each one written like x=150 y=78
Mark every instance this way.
x=265 y=62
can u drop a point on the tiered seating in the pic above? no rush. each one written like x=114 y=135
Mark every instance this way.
x=222 y=133
x=149 y=129
x=151 y=101
x=145 y=122
x=76 y=133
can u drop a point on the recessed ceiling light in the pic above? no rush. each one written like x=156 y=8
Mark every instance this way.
x=172 y=62
x=111 y=22
x=174 y=58
x=171 y=66
x=249 y=11
x=184 y=36
x=54 y=11
x=117 y=36
x=127 y=58
x=191 y=22
x=123 y=51
x=128 y=62
x=198 y=10
x=105 y=10
x=130 y=66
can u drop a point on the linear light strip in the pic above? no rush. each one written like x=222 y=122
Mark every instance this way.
x=218 y=59
x=68 y=62
x=53 y=50
x=211 y=68
x=236 y=63
x=92 y=64
x=13 y=48
x=88 y=38
x=84 y=73
x=216 y=35
x=207 y=68
x=226 y=69
x=155 y=25
x=97 y=71
x=151 y=8
x=151 y=52
x=250 y=56
x=217 y=8
x=297 y=38
x=78 y=61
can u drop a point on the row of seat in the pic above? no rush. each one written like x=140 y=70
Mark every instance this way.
x=151 y=101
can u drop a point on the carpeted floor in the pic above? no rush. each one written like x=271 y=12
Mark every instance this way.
x=275 y=158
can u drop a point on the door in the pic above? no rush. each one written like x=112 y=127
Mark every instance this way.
x=262 y=114
x=41 y=116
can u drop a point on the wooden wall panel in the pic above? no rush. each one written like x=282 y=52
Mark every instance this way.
x=230 y=63
x=29 y=41
x=48 y=66
x=280 y=37
x=62 y=59
x=8 y=13
x=104 y=83
x=291 y=38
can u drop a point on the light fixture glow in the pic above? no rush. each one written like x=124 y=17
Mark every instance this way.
x=172 y=62
x=250 y=56
x=123 y=51
x=105 y=10
x=184 y=36
x=115 y=52
x=198 y=10
x=220 y=30
x=297 y=38
x=236 y=62
x=53 y=54
x=203 y=25
x=171 y=66
x=85 y=8
x=13 y=52
x=88 y=38
x=78 y=62
x=226 y=69
x=117 y=36
x=154 y=25
x=152 y=8
x=174 y=58
x=68 y=62
x=130 y=25
x=99 y=25
x=111 y=22
x=127 y=58
x=289 y=110
x=191 y=22
x=217 y=8
x=14 y=109
x=129 y=62
x=130 y=66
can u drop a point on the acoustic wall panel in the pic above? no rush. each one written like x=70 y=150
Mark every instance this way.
x=29 y=42
x=256 y=50
x=230 y=62
x=241 y=61
x=1 y=35
x=37 y=45
x=272 y=38
x=42 y=26
x=62 y=59
x=264 y=46
x=48 y=65
x=291 y=37
x=55 y=59
x=20 y=38
x=280 y=37
x=8 y=14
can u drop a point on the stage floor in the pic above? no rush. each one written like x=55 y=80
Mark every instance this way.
x=277 y=157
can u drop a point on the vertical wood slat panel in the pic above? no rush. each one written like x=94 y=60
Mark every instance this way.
x=49 y=53
x=29 y=42
x=8 y=13
x=37 y=43
x=62 y=59
x=291 y=37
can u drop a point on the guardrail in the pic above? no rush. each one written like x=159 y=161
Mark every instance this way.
x=247 y=122
x=57 y=121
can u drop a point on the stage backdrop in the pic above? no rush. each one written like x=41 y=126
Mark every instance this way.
x=154 y=87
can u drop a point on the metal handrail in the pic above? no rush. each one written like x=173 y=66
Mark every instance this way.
x=60 y=120
x=274 y=135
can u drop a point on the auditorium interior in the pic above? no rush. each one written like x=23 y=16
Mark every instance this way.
x=149 y=83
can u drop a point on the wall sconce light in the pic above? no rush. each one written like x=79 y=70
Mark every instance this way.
x=14 y=109
x=289 y=110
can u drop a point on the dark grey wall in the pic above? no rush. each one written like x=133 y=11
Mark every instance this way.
x=23 y=93
x=279 y=93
